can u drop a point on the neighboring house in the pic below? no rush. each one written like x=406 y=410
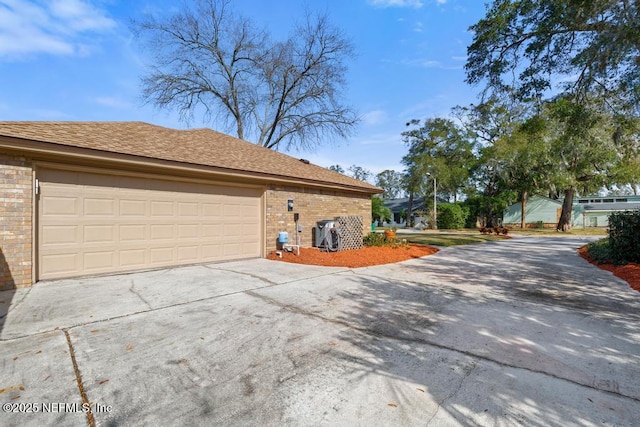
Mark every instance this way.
x=595 y=211
x=586 y=212
x=399 y=207
x=85 y=198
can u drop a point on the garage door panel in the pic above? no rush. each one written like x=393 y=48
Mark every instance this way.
x=161 y=232
x=132 y=232
x=98 y=206
x=162 y=256
x=188 y=253
x=250 y=230
x=59 y=265
x=97 y=223
x=250 y=247
x=211 y=230
x=60 y=206
x=211 y=210
x=187 y=209
x=130 y=207
x=162 y=208
x=211 y=252
x=132 y=258
x=59 y=234
x=232 y=211
x=101 y=261
x=249 y=211
x=99 y=234
x=232 y=249
x=188 y=231
x=232 y=231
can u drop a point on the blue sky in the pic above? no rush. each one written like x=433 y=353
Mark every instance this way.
x=77 y=60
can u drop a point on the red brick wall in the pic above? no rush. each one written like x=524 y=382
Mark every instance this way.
x=16 y=211
x=313 y=205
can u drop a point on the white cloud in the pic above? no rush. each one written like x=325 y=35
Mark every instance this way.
x=386 y=139
x=429 y=63
x=417 y=4
x=53 y=27
x=374 y=117
x=113 y=102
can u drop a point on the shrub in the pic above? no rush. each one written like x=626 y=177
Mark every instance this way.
x=451 y=215
x=624 y=237
x=600 y=251
x=374 y=239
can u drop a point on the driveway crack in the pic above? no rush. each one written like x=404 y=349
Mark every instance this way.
x=442 y=402
x=133 y=291
x=16 y=304
x=83 y=395
x=255 y=276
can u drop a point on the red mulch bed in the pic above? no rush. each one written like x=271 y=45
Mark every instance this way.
x=629 y=273
x=367 y=256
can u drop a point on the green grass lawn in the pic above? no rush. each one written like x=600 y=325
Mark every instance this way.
x=590 y=231
x=447 y=238
x=469 y=236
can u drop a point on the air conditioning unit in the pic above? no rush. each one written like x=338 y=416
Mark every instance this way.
x=323 y=228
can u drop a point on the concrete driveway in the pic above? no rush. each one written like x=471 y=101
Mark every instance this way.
x=516 y=332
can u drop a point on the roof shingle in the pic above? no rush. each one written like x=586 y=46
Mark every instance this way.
x=203 y=147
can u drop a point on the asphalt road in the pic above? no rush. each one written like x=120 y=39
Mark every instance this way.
x=516 y=332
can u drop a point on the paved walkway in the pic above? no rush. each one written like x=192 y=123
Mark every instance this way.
x=520 y=331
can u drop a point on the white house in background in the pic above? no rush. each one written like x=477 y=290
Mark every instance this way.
x=587 y=211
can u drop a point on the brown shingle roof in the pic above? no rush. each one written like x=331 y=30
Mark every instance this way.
x=203 y=147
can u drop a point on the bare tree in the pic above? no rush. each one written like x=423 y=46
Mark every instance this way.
x=276 y=93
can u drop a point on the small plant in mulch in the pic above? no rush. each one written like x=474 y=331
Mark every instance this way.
x=600 y=251
x=380 y=239
x=599 y=254
x=374 y=239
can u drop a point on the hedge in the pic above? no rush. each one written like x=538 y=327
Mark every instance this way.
x=624 y=237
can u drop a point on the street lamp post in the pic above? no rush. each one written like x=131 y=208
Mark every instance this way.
x=435 y=202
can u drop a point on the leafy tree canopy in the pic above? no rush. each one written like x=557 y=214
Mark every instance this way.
x=391 y=182
x=580 y=46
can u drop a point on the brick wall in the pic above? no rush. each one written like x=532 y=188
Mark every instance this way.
x=15 y=230
x=313 y=205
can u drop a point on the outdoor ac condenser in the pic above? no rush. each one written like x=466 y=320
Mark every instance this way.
x=322 y=229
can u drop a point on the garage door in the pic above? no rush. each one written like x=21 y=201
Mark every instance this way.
x=92 y=223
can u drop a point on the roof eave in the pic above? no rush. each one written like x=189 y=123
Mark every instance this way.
x=48 y=151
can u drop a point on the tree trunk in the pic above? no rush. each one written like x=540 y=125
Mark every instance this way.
x=564 y=223
x=410 y=210
x=523 y=209
x=489 y=219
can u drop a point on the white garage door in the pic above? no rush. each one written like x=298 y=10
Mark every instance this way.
x=92 y=223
